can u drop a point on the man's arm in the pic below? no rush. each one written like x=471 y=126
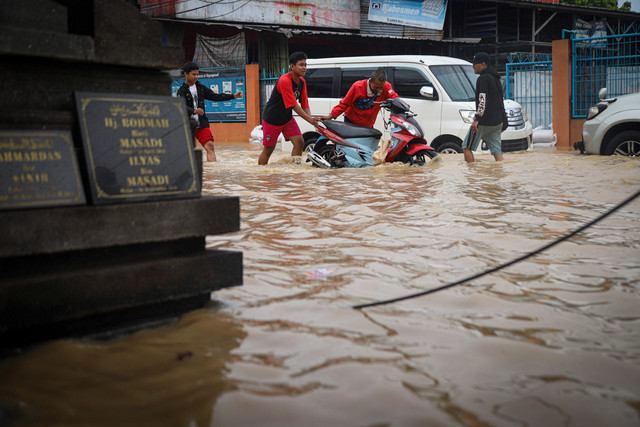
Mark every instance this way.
x=182 y=93
x=392 y=93
x=305 y=113
x=481 y=97
x=212 y=96
x=481 y=101
x=344 y=103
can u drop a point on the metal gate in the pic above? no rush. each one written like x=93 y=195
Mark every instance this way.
x=268 y=81
x=609 y=61
x=529 y=82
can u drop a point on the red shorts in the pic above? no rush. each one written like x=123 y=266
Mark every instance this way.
x=270 y=133
x=204 y=135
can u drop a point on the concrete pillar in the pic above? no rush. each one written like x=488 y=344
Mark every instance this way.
x=561 y=57
x=567 y=129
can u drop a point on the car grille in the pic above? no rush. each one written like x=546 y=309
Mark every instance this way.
x=514 y=145
x=514 y=117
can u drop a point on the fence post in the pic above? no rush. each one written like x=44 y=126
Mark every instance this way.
x=252 y=72
x=561 y=60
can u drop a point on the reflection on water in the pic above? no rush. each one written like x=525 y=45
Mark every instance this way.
x=553 y=340
x=167 y=376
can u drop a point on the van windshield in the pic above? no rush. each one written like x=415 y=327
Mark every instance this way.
x=459 y=81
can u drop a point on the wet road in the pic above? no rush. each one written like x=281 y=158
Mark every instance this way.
x=553 y=340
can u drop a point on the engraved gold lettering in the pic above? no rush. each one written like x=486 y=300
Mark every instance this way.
x=140 y=142
x=27 y=156
x=144 y=123
x=31 y=178
x=144 y=160
x=145 y=181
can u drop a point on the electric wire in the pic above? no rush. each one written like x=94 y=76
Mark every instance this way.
x=145 y=7
x=207 y=4
x=507 y=264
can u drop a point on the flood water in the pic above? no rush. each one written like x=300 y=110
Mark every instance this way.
x=551 y=341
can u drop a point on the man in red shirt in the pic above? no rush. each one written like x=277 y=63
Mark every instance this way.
x=362 y=103
x=290 y=94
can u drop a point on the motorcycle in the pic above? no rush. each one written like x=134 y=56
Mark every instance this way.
x=343 y=144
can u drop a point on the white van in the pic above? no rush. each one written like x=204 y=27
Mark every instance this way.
x=445 y=115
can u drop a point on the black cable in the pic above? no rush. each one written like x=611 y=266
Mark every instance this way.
x=208 y=3
x=507 y=264
x=146 y=7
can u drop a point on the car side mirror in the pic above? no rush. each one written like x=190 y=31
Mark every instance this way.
x=602 y=94
x=428 y=92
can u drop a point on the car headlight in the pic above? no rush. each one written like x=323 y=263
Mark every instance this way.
x=468 y=116
x=594 y=110
x=524 y=115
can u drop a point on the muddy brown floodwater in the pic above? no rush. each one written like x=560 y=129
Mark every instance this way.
x=551 y=341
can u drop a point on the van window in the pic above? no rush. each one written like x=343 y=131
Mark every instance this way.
x=459 y=81
x=352 y=75
x=319 y=82
x=408 y=81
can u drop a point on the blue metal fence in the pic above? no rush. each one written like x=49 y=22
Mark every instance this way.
x=268 y=81
x=609 y=61
x=529 y=82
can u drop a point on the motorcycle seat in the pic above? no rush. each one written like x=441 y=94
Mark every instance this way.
x=349 y=130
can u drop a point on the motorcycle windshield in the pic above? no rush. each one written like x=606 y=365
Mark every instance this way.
x=459 y=81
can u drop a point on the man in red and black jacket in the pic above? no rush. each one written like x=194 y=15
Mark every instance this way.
x=362 y=103
x=194 y=94
x=290 y=94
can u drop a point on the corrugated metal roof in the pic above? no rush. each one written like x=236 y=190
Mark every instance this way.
x=421 y=33
x=311 y=31
x=379 y=28
x=401 y=35
x=603 y=11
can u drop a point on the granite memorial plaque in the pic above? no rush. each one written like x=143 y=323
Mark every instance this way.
x=39 y=169
x=137 y=147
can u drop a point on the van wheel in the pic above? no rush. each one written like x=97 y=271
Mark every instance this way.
x=625 y=143
x=449 y=148
x=309 y=143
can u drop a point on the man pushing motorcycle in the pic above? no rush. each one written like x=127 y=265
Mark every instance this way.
x=362 y=103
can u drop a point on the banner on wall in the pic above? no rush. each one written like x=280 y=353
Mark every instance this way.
x=427 y=14
x=594 y=29
x=337 y=14
x=221 y=81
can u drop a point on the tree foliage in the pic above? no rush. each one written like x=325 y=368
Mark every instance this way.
x=609 y=4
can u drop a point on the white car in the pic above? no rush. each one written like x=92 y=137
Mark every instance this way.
x=612 y=126
x=445 y=113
